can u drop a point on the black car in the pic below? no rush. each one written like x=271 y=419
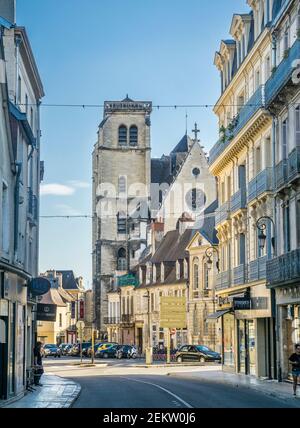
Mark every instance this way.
x=110 y=352
x=197 y=353
x=126 y=351
x=76 y=350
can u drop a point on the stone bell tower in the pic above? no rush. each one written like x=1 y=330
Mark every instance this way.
x=121 y=192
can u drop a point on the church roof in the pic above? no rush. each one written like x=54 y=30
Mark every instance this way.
x=127 y=100
x=183 y=146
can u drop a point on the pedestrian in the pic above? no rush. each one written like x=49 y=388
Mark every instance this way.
x=38 y=363
x=295 y=361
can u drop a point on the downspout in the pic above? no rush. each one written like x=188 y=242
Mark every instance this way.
x=17 y=203
x=275 y=311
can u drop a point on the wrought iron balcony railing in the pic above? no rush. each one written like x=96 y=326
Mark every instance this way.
x=240 y=275
x=246 y=113
x=238 y=200
x=127 y=319
x=112 y=320
x=257 y=269
x=261 y=184
x=294 y=164
x=223 y=213
x=223 y=280
x=284 y=269
x=283 y=73
x=281 y=173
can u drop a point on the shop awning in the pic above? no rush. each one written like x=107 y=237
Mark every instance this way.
x=217 y=315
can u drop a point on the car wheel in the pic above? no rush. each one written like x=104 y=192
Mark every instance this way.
x=105 y=356
x=179 y=360
x=134 y=356
x=202 y=360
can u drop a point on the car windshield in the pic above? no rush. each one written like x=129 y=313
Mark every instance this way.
x=49 y=346
x=204 y=349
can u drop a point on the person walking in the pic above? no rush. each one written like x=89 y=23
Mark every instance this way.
x=295 y=361
x=38 y=363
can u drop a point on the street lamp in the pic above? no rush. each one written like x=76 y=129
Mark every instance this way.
x=261 y=225
x=209 y=258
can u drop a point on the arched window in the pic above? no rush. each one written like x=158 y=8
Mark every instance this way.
x=123 y=135
x=122 y=223
x=133 y=139
x=122 y=184
x=196 y=274
x=205 y=277
x=122 y=259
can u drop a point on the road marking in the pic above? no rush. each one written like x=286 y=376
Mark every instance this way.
x=163 y=389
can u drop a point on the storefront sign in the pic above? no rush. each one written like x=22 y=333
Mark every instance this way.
x=46 y=312
x=39 y=286
x=242 y=304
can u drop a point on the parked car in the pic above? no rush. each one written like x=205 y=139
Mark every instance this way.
x=76 y=350
x=96 y=347
x=51 y=351
x=103 y=347
x=64 y=348
x=68 y=350
x=197 y=353
x=109 y=352
x=126 y=351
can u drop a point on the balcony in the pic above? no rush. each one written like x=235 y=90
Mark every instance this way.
x=284 y=270
x=257 y=269
x=281 y=174
x=222 y=213
x=283 y=74
x=238 y=200
x=112 y=321
x=223 y=280
x=247 y=112
x=127 y=319
x=294 y=164
x=261 y=184
x=240 y=275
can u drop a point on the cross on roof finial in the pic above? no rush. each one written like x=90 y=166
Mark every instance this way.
x=196 y=131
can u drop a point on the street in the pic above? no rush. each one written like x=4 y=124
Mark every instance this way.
x=129 y=384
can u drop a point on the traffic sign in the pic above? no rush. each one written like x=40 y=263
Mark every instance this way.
x=80 y=325
x=173 y=312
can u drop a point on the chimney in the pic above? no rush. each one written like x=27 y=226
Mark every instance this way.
x=157 y=234
x=8 y=10
x=184 y=223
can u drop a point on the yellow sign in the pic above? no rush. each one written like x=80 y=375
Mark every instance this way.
x=173 y=312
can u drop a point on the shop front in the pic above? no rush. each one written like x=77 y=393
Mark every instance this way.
x=288 y=313
x=248 y=345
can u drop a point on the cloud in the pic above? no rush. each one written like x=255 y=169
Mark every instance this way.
x=54 y=189
x=80 y=184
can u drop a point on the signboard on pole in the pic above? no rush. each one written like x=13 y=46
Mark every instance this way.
x=173 y=314
x=46 y=312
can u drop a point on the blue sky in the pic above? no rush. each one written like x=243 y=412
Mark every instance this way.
x=95 y=50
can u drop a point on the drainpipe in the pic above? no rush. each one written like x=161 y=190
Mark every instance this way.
x=17 y=203
x=275 y=311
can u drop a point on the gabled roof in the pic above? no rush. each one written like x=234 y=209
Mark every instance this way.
x=69 y=281
x=183 y=146
x=173 y=246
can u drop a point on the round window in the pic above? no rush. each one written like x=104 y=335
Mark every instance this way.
x=196 y=172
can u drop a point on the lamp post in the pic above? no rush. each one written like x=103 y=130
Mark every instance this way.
x=209 y=258
x=148 y=350
x=261 y=225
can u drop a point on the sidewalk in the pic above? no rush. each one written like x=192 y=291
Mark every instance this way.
x=56 y=393
x=283 y=391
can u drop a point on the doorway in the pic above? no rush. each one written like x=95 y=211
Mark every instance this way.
x=246 y=347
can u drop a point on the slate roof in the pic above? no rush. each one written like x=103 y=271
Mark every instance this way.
x=53 y=298
x=173 y=246
x=69 y=281
x=183 y=146
x=208 y=230
x=160 y=171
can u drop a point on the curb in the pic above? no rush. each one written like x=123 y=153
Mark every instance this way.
x=277 y=395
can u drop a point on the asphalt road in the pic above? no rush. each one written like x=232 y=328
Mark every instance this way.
x=123 y=385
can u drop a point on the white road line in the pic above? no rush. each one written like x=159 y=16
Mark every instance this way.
x=163 y=389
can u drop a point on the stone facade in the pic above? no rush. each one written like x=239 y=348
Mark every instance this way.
x=121 y=181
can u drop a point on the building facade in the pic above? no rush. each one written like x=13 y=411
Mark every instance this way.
x=121 y=192
x=242 y=162
x=283 y=98
x=20 y=176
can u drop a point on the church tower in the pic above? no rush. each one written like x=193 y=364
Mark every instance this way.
x=121 y=192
